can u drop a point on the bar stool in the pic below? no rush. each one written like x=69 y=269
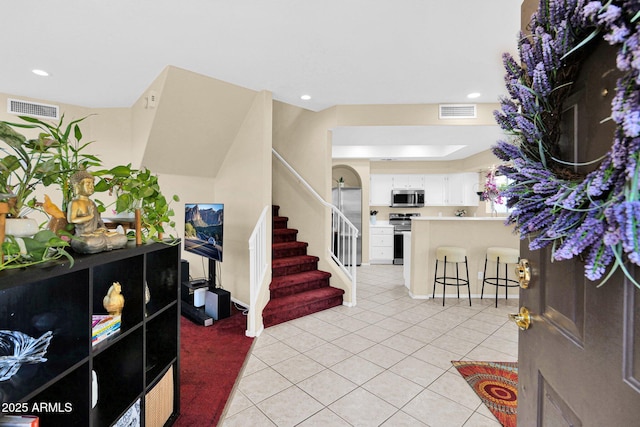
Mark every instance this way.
x=454 y=255
x=504 y=256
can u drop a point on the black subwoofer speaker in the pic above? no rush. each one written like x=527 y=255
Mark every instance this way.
x=218 y=303
x=184 y=270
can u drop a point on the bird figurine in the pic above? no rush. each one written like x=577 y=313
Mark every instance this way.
x=50 y=208
x=58 y=219
x=113 y=302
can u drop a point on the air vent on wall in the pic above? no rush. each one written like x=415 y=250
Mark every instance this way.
x=458 y=111
x=25 y=108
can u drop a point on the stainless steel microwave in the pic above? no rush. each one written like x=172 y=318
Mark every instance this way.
x=407 y=198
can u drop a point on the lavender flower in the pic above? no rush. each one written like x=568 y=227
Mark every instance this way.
x=600 y=256
x=628 y=217
x=589 y=232
x=609 y=15
x=591 y=10
x=618 y=34
x=631 y=124
x=506 y=151
x=540 y=81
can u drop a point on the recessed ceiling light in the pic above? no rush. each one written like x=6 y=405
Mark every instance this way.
x=473 y=95
x=305 y=97
x=40 y=73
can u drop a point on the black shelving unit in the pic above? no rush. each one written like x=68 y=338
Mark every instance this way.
x=61 y=298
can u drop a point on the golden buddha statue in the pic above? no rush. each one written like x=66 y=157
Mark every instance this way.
x=91 y=235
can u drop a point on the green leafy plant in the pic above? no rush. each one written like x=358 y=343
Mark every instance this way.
x=56 y=154
x=138 y=189
x=44 y=246
x=25 y=165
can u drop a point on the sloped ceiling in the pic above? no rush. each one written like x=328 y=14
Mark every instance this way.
x=196 y=122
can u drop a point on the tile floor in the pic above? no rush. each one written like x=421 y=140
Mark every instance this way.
x=385 y=362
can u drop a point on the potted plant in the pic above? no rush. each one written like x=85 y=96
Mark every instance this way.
x=63 y=152
x=138 y=191
x=22 y=168
x=48 y=159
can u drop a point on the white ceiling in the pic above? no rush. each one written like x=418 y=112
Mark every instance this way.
x=413 y=142
x=103 y=53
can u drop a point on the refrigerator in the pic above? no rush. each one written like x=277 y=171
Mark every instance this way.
x=349 y=202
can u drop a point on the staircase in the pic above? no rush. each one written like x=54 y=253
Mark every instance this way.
x=297 y=287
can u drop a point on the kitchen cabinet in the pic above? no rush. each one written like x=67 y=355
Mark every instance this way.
x=381 y=244
x=60 y=299
x=454 y=189
x=408 y=181
x=380 y=189
x=461 y=189
x=434 y=189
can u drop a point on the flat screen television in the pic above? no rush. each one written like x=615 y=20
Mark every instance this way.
x=203 y=232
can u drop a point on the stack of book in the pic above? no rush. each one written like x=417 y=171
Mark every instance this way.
x=103 y=326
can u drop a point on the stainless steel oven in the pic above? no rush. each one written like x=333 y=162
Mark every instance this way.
x=401 y=222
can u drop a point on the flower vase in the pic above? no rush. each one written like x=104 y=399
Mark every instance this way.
x=373 y=219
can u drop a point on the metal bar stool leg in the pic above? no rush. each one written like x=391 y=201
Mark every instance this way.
x=444 y=286
x=506 y=282
x=457 y=280
x=497 y=279
x=435 y=278
x=466 y=264
x=484 y=277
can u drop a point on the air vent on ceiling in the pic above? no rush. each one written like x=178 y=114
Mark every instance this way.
x=458 y=111
x=25 y=108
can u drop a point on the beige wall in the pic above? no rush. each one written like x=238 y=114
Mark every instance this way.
x=244 y=182
x=407 y=115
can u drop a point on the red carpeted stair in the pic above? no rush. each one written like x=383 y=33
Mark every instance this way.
x=297 y=287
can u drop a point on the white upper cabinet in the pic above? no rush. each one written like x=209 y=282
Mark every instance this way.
x=434 y=189
x=408 y=181
x=461 y=189
x=454 y=189
x=380 y=190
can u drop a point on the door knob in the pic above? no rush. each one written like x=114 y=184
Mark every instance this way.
x=522 y=319
x=523 y=272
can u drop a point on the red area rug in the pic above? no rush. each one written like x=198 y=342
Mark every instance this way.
x=496 y=383
x=211 y=359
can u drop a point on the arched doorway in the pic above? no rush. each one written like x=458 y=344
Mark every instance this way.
x=346 y=194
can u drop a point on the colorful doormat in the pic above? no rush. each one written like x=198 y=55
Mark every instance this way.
x=496 y=383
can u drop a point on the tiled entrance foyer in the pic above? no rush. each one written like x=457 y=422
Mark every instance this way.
x=385 y=362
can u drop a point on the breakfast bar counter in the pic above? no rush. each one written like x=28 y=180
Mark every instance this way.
x=475 y=234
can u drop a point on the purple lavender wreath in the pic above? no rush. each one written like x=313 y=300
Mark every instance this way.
x=595 y=217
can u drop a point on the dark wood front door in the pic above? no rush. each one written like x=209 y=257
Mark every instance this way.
x=579 y=362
